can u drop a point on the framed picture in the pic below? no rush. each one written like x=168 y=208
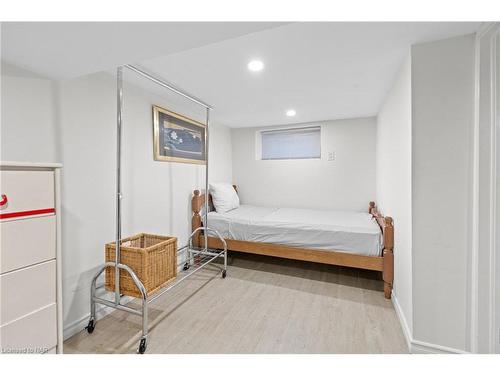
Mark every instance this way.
x=178 y=138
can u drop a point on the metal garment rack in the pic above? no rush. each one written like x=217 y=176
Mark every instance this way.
x=197 y=258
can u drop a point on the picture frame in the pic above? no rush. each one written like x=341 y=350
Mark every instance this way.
x=177 y=138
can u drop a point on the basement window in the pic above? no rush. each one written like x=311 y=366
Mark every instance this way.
x=295 y=143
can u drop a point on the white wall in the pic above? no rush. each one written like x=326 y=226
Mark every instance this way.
x=442 y=122
x=394 y=184
x=348 y=182
x=28 y=116
x=74 y=122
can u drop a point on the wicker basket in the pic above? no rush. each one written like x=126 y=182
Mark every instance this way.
x=153 y=259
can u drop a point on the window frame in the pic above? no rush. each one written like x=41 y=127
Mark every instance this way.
x=260 y=133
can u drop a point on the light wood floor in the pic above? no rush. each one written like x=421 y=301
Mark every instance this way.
x=265 y=305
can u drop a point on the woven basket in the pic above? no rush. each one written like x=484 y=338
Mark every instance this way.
x=153 y=259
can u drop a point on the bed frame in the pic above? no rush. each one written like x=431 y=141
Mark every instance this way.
x=384 y=263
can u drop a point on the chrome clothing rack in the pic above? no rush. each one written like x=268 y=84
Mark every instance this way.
x=204 y=256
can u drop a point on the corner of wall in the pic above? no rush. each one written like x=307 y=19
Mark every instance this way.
x=441 y=89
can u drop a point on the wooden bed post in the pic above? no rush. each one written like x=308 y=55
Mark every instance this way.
x=388 y=254
x=387 y=226
x=196 y=204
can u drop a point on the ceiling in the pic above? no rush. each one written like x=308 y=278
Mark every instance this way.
x=322 y=70
x=64 y=50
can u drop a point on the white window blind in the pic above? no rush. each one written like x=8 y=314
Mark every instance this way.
x=297 y=143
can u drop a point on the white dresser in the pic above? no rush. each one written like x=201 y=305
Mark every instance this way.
x=30 y=258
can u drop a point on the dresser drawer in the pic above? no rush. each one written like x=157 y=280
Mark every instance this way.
x=26 y=242
x=27 y=290
x=37 y=330
x=28 y=193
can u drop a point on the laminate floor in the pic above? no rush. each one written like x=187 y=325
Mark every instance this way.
x=265 y=305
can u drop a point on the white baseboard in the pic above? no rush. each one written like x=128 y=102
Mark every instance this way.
x=78 y=325
x=402 y=320
x=419 y=347
x=416 y=346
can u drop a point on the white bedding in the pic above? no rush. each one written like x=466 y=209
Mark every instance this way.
x=345 y=231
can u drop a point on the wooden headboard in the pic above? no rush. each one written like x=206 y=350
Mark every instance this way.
x=198 y=201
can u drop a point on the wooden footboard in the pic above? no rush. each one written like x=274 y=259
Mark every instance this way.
x=383 y=263
x=387 y=227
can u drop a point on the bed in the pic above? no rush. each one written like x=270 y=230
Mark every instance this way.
x=346 y=238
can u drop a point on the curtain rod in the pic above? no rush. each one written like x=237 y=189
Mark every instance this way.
x=167 y=86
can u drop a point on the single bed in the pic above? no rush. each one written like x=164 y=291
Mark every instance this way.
x=346 y=238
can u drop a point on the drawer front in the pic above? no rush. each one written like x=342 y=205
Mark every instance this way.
x=27 y=192
x=33 y=332
x=26 y=242
x=27 y=290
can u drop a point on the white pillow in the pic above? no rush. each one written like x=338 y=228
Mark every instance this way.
x=224 y=197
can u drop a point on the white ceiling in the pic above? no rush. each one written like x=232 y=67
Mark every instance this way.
x=322 y=70
x=63 y=50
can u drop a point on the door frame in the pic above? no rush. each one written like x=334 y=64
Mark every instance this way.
x=485 y=253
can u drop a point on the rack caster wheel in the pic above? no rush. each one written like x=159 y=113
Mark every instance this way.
x=224 y=274
x=142 y=346
x=90 y=327
x=186 y=267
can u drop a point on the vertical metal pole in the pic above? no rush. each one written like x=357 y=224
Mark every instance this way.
x=119 y=105
x=92 y=301
x=144 y=317
x=205 y=219
x=225 y=259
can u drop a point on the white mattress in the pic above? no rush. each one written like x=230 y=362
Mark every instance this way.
x=345 y=231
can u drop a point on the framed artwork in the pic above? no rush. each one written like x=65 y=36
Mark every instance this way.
x=178 y=138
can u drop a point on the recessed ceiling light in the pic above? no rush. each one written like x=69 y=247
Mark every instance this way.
x=255 y=65
x=291 y=113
